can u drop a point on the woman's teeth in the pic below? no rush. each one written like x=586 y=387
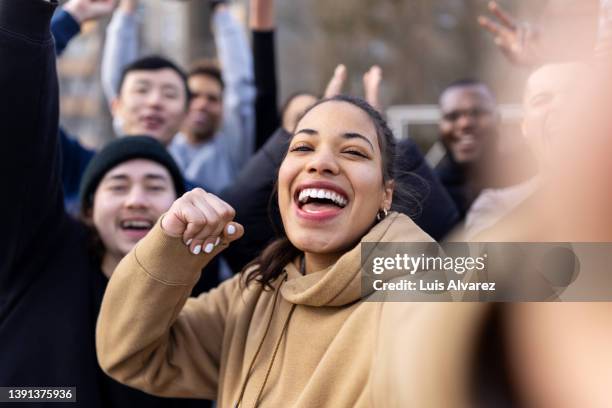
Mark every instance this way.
x=322 y=194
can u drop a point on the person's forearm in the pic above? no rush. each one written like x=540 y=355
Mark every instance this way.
x=149 y=336
x=120 y=49
x=29 y=116
x=64 y=28
x=239 y=96
x=266 y=104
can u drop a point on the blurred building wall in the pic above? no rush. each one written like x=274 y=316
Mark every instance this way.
x=421 y=45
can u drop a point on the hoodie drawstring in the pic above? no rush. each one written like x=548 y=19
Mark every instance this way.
x=278 y=342
x=248 y=376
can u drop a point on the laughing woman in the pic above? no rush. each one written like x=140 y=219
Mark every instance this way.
x=292 y=329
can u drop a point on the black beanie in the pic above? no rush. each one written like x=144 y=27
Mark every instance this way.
x=122 y=150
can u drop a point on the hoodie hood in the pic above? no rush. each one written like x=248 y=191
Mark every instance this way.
x=340 y=284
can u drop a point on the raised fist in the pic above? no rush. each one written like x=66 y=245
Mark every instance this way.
x=203 y=221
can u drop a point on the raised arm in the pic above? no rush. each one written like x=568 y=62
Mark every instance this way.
x=239 y=97
x=262 y=26
x=149 y=335
x=29 y=155
x=66 y=22
x=121 y=46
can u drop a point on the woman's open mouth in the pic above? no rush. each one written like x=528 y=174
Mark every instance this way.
x=319 y=203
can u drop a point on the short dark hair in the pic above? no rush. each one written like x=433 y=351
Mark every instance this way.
x=464 y=82
x=467 y=82
x=208 y=68
x=154 y=63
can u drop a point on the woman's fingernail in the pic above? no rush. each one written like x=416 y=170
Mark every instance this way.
x=189 y=241
x=231 y=229
x=197 y=249
x=217 y=241
x=209 y=248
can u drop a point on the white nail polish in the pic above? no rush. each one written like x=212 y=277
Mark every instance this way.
x=217 y=241
x=231 y=229
x=189 y=241
x=197 y=249
x=209 y=248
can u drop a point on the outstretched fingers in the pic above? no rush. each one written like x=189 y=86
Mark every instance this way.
x=371 y=85
x=503 y=16
x=336 y=83
x=492 y=27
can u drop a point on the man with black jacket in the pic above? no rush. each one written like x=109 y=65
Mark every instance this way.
x=50 y=284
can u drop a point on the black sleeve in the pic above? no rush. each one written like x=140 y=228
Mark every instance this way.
x=266 y=106
x=63 y=27
x=427 y=202
x=75 y=159
x=32 y=206
x=251 y=195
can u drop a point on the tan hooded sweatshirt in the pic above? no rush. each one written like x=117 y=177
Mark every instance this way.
x=311 y=342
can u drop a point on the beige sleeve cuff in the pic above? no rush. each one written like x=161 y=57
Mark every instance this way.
x=168 y=260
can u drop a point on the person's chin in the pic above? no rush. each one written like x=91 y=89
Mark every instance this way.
x=463 y=158
x=126 y=247
x=319 y=246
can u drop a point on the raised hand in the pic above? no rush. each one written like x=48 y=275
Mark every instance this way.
x=261 y=15
x=336 y=83
x=371 y=86
x=203 y=221
x=517 y=41
x=85 y=10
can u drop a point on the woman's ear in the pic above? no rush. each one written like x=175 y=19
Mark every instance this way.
x=387 y=198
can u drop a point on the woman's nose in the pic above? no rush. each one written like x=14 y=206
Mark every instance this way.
x=323 y=161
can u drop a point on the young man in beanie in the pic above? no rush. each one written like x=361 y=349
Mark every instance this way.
x=124 y=190
x=53 y=269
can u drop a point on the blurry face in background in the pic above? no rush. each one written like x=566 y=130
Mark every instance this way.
x=550 y=91
x=151 y=103
x=206 y=108
x=568 y=121
x=295 y=109
x=468 y=127
x=128 y=201
x=330 y=185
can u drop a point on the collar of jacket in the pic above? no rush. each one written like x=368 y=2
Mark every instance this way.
x=340 y=284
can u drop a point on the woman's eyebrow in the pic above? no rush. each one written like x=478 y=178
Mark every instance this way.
x=347 y=135
x=309 y=132
x=352 y=135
